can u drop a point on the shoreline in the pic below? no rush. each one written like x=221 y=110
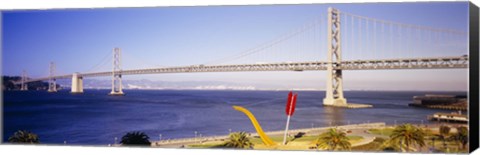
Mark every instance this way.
x=179 y=142
x=354 y=129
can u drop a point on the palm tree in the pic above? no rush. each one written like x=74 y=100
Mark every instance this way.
x=407 y=135
x=239 y=140
x=23 y=136
x=135 y=138
x=333 y=140
x=461 y=136
x=444 y=132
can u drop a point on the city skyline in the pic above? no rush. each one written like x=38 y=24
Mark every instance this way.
x=195 y=35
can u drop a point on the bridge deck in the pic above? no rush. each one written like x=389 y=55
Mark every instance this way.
x=413 y=63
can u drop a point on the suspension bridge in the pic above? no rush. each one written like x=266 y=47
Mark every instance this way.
x=349 y=42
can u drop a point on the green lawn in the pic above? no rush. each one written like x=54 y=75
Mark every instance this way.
x=451 y=147
x=306 y=139
x=215 y=144
x=373 y=146
x=383 y=131
x=278 y=139
x=388 y=131
x=301 y=143
x=307 y=142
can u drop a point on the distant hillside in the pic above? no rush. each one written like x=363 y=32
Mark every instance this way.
x=8 y=84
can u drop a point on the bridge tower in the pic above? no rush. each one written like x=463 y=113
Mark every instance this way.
x=52 y=85
x=334 y=93
x=24 y=86
x=116 y=73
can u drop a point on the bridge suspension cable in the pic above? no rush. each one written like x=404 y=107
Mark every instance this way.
x=105 y=60
x=405 y=24
x=300 y=44
x=371 y=38
x=130 y=58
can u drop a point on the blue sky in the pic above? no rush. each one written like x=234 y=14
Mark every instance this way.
x=79 y=39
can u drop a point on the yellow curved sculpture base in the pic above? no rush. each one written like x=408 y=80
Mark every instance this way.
x=266 y=140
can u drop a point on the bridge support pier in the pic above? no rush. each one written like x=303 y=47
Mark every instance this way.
x=334 y=92
x=77 y=84
x=52 y=85
x=116 y=74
